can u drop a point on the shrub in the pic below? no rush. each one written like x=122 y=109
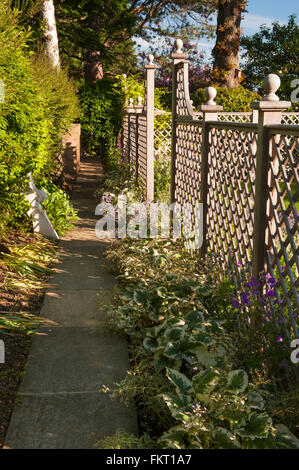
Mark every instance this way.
x=191 y=393
x=232 y=100
x=39 y=105
x=102 y=108
x=59 y=208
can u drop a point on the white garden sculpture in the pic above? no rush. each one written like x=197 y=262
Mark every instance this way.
x=41 y=222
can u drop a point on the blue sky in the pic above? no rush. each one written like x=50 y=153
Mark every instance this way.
x=259 y=12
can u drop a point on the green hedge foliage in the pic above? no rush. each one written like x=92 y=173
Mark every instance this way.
x=232 y=100
x=39 y=104
x=102 y=110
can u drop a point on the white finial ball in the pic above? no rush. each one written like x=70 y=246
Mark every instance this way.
x=271 y=85
x=211 y=94
x=150 y=59
x=179 y=46
x=131 y=101
x=139 y=100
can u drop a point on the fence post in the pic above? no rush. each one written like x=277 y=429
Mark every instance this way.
x=269 y=112
x=177 y=57
x=128 y=109
x=150 y=127
x=209 y=111
x=138 y=109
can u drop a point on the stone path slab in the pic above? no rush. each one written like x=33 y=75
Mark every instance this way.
x=61 y=404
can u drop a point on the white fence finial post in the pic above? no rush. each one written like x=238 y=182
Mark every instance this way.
x=209 y=111
x=271 y=84
x=177 y=56
x=150 y=126
x=269 y=112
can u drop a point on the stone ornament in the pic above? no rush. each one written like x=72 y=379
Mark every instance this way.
x=210 y=94
x=151 y=59
x=271 y=85
x=41 y=222
x=179 y=46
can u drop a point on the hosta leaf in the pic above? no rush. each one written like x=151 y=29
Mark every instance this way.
x=178 y=405
x=154 y=332
x=173 y=439
x=262 y=443
x=203 y=398
x=150 y=344
x=206 y=382
x=140 y=297
x=180 y=350
x=182 y=384
x=162 y=292
x=238 y=381
x=162 y=362
x=285 y=439
x=203 y=338
x=255 y=400
x=236 y=418
x=195 y=319
x=224 y=439
x=175 y=334
x=258 y=426
x=204 y=357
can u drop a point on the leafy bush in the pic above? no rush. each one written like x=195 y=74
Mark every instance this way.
x=39 y=105
x=130 y=86
x=102 y=108
x=59 y=209
x=59 y=94
x=232 y=100
x=183 y=376
x=162 y=178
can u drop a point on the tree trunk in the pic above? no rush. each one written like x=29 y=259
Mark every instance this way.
x=93 y=67
x=226 y=71
x=50 y=34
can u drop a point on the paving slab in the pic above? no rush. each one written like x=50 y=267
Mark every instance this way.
x=60 y=402
x=88 y=272
x=85 y=308
x=60 y=362
x=67 y=421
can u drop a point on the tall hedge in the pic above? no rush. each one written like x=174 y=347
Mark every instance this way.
x=38 y=106
x=232 y=99
x=102 y=112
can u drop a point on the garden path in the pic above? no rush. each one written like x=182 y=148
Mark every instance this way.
x=60 y=403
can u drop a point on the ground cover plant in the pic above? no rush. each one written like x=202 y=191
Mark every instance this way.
x=192 y=374
x=25 y=264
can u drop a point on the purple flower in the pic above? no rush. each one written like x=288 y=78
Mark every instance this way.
x=280 y=339
x=270 y=293
x=235 y=304
x=253 y=283
x=244 y=298
x=271 y=280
